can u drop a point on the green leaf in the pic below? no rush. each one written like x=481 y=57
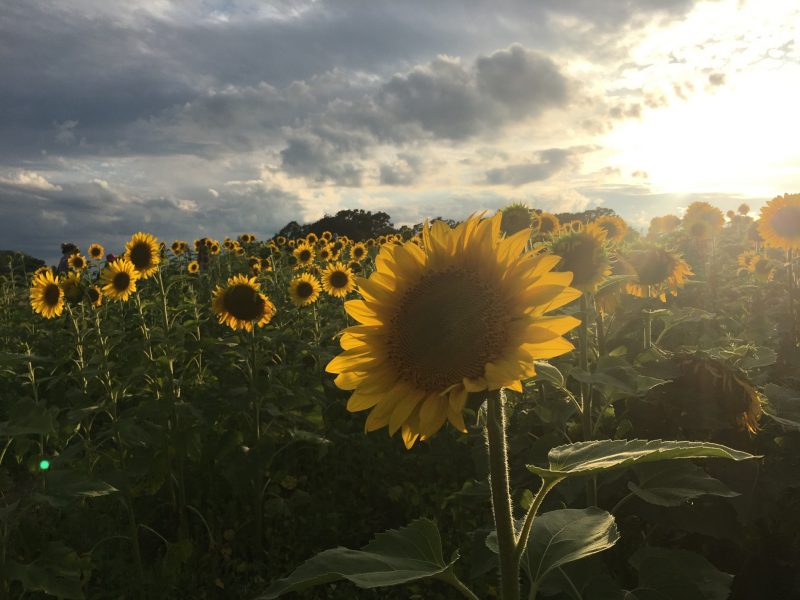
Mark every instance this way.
x=73 y=483
x=547 y=372
x=567 y=535
x=57 y=572
x=674 y=483
x=27 y=418
x=598 y=456
x=783 y=406
x=394 y=557
x=680 y=574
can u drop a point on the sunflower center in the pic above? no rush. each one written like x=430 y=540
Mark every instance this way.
x=95 y=252
x=94 y=295
x=305 y=255
x=358 y=252
x=546 y=226
x=653 y=267
x=52 y=293
x=338 y=279
x=243 y=302
x=141 y=255
x=698 y=229
x=786 y=222
x=447 y=327
x=121 y=281
x=304 y=290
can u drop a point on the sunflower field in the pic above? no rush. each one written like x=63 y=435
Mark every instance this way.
x=512 y=406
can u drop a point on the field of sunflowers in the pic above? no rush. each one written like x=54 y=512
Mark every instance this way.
x=507 y=407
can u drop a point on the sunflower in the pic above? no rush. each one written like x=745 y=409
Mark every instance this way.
x=266 y=265
x=215 y=248
x=355 y=266
x=193 y=267
x=779 y=222
x=584 y=253
x=337 y=280
x=240 y=304
x=657 y=272
x=370 y=243
x=312 y=238
x=77 y=262
x=358 y=252
x=325 y=253
x=304 y=289
x=142 y=252
x=465 y=313
x=762 y=267
x=703 y=221
x=304 y=254
x=614 y=226
x=71 y=286
x=663 y=225
x=42 y=270
x=177 y=247
x=280 y=240
x=291 y=243
x=516 y=217
x=545 y=223
x=745 y=258
x=119 y=279
x=95 y=296
x=96 y=251
x=327 y=236
x=47 y=297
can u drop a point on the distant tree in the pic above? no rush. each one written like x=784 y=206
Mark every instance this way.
x=18 y=263
x=292 y=230
x=586 y=216
x=357 y=224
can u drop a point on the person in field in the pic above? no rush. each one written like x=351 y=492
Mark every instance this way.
x=67 y=250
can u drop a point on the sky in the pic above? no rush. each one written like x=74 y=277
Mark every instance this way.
x=217 y=117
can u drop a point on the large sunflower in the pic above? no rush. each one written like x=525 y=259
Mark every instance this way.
x=465 y=313
x=119 y=279
x=657 y=272
x=304 y=289
x=77 y=262
x=614 y=226
x=142 y=251
x=240 y=304
x=516 y=217
x=584 y=253
x=47 y=297
x=337 y=280
x=779 y=222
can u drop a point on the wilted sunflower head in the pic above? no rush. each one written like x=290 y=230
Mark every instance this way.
x=516 y=217
x=240 y=305
x=464 y=313
x=47 y=297
x=304 y=253
x=304 y=289
x=338 y=280
x=94 y=295
x=77 y=262
x=585 y=254
x=96 y=251
x=657 y=272
x=142 y=252
x=779 y=222
x=193 y=267
x=614 y=226
x=545 y=223
x=71 y=286
x=119 y=279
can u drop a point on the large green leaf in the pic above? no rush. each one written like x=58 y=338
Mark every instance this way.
x=598 y=456
x=75 y=483
x=674 y=483
x=680 y=574
x=783 y=406
x=562 y=536
x=394 y=557
x=56 y=572
x=27 y=417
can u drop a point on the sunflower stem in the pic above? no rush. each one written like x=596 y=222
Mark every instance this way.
x=259 y=483
x=501 y=494
x=527 y=526
x=586 y=391
x=792 y=283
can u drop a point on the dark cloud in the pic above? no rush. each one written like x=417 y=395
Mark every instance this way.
x=549 y=162
x=404 y=171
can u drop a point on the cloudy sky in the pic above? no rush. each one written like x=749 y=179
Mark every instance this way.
x=214 y=117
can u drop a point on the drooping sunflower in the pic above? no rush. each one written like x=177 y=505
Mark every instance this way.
x=583 y=252
x=47 y=297
x=240 y=304
x=545 y=224
x=358 y=252
x=95 y=296
x=338 y=280
x=304 y=253
x=657 y=272
x=142 y=252
x=703 y=221
x=77 y=262
x=71 y=286
x=304 y=289
x=119 y=279
x=465 y=313
x=96 y=251
x=779 y=222
x=516 y=217
x=614 y=226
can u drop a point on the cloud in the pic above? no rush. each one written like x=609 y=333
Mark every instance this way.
x=548 y=163
x=403 y=171
x=30 y=180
